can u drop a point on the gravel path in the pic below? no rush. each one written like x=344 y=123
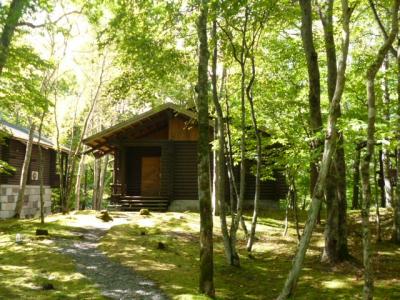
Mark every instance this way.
x=114 y=280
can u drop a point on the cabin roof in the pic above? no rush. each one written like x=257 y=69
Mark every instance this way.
x=99 y=141
x=22 y=134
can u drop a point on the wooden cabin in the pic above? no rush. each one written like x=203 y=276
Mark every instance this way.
x=12 y=151
x=155 y=162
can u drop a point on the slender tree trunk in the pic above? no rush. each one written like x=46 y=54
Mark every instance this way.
x=81 y=172
x=396 y=202
x=230 y=249
x=376 y=196
x=206 y=282
x=96 y=181
x=17 y=9
x=329 y=150
x=365 y=166
x=382 y=180
x=335 y=249
x=41 y=163
x=387 y=184
x=24 y=173
x=356 y=179
x=249 y=92
x=102 y=180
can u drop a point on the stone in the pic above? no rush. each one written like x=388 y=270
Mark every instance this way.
x=47 y=286
x=161 y=246
x=11 y=199
x=144 y=212
x=105 y=216
x=42 y=231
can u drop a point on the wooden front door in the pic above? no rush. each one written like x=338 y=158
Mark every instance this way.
x=151 y=174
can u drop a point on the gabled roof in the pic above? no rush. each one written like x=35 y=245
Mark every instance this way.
x=98 y=141
x=22 y=134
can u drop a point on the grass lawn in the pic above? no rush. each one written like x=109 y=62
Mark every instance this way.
x=25 y=268
x=262 y=275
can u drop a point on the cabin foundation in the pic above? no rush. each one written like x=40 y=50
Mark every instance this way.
x=31 y=206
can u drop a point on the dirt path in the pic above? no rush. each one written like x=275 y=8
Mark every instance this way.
x=114 y=280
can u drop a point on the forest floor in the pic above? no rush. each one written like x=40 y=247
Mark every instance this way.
x=28 y=268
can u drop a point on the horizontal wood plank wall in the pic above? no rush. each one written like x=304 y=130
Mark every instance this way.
x=4 y=157
x=185 y=173
x=16 y=156
x=54 y=177
x=181 y=129
x=167 y=168
x=35 y=165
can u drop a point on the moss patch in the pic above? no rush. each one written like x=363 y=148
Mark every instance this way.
x=29 y=269
x=262 y=275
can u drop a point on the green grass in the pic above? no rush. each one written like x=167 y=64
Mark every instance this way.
x=261 y=276
x=26 y=267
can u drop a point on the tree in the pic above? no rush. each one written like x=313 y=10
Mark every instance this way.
x=366 y=160
x=206 y=284
x=15 y=12
x=24 y=172
x=329 y=150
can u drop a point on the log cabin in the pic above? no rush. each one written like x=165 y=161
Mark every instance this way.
x=12 y=151
x=155 y=162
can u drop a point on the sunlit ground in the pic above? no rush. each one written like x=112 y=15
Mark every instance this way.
x=26 y=268
x=262 y=275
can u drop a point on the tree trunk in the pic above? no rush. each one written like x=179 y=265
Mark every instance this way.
x=329 y=150
x=24 y=173
x=41 y=163
x=381 y=180
x=230 y=249
x=335 y=249
x=17 y=8
x=356 y=179
x=376 y=196
x=249 y=92
x=206 y=280
x=81 y=171
x=215 y=172
x=387 y=184
x=365 y=166
x=96 y=182
x=396 y=202
x=102 y=179
x=314 y=92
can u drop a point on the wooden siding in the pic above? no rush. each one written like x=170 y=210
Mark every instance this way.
x=14 y=153
x=185 y=170
x=181 y=129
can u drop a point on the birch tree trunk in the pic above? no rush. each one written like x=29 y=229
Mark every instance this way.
x=24 y=173
x=329 y=150
x=365 y=166
x=206 y=280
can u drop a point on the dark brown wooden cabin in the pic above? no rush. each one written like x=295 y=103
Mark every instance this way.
x=12 y=151
x=155 y=161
